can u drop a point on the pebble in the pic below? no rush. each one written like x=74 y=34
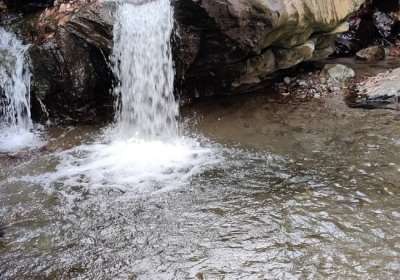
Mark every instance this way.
x=302 y=83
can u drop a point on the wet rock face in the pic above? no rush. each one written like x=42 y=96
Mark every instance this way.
x=377 y=22
x=70 y=80
x=71 y=77
x=221 y=47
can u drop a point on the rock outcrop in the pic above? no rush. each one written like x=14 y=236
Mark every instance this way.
x=221 y=47
x=232 y=46
x=371 y=54
x=376 y=23
x=378 y=92
x=71 y=76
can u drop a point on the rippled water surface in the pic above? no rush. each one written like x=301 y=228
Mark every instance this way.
x=301 y=191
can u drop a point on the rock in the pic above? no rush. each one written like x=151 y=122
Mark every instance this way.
x=371 y=54
x=376 y=22
x=71 y=76
x=384 y=23
x=243 y=42
x=3 y=6
x=70 y=79
x=226 y=46
x=338 y=73
x=302 y=83
x=381 y=91
x=387 y=83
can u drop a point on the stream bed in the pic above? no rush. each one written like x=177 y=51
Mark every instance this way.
x=303 y=190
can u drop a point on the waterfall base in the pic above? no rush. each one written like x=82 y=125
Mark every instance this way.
x=14 y=139
x=135 y=166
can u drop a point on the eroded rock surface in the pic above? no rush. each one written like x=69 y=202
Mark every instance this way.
x=71 y=76
x=238 y=44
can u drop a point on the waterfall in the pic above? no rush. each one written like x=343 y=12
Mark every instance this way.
x=15 y=114
x=142 y=58
x=143 y=151
x=14 y=82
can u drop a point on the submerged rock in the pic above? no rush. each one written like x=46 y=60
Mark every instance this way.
x=221 y=47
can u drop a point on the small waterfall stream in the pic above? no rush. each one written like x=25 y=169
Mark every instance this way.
x=15 y=115
x=146 y=107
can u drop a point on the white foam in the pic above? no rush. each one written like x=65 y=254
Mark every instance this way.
x=132 y=165
x=14 y=139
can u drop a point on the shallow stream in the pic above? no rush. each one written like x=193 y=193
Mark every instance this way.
x=285 y=191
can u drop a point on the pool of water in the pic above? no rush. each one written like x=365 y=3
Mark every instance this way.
x=299 y=191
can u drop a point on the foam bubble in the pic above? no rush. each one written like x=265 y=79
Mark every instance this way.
x=133 y=165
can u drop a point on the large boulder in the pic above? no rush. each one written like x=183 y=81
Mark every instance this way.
x=69 y=57
x=378 y=92
x=237 y=44
x=221 y=47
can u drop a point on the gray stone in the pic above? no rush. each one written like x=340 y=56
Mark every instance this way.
x=338 y=73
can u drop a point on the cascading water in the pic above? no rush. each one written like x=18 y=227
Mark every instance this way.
x=15 y=115
x=143 y=151
x=142 y=58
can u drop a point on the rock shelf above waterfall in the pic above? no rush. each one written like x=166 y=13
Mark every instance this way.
x=224 y=47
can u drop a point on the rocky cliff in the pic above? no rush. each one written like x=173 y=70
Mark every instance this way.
x=220 y=47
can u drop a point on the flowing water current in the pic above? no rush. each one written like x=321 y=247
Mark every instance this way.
x=291 y=191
